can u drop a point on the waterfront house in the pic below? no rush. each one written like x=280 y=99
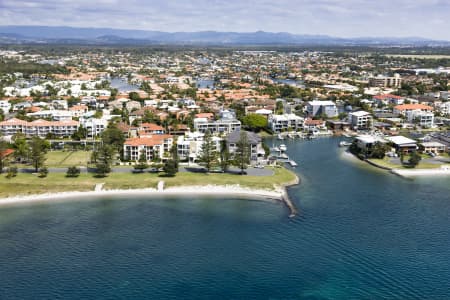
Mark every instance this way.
x=360 y=120
x=286 y=122
x=402 y=144
x=40 y=128
x=434 y=147
x=254 y=140
x=316 y=108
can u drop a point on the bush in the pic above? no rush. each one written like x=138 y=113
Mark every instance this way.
x=73 y=172
x=12 y=172
x=43 y=172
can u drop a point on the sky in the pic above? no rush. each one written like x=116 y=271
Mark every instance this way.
x=340 y=18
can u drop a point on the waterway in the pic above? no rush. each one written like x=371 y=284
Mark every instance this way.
x=361 y=234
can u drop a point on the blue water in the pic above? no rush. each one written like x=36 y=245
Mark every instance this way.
x=361 y=234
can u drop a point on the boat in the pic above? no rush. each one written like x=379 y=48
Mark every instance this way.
x=282 y=147
x=293 y=163
x=344 y=144
x=280 y=137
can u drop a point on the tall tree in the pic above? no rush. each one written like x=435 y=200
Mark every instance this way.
x=21 y=149
x=224 y=156
x=142 y=162
x=208 y=153
x=254 y=122
x=38 y=148
x=114 y=136
x=105 y=156
x=242 y=152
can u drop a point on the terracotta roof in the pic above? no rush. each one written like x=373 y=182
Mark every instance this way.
x=413 y=107
x=387 y=96
x=147 y=141
x=151 y=127
x=313 y=122
x=14 y=121
x=6 y=153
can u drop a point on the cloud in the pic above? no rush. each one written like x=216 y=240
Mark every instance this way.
x=347 y=18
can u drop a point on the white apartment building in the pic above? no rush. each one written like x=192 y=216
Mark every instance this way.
x=189 y=146
x=219 y=126
x=317 y=108
x=279 y=123
x=94 y=127
x=360 y=120
x=56 y=115
x=421 y=118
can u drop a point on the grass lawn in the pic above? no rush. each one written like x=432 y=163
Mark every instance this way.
x=25 y=184
x=67 y=158
x=386 y=163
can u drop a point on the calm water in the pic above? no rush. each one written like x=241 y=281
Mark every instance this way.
x=362 y=234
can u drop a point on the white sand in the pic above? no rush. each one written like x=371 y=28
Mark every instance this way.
x=443 y=171
x=212 y=190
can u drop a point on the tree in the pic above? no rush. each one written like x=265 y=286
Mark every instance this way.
x=242 y=152
x=80 y=134
x=142 y=162
x=38 y=148
x=254 y=122
x=224 y=156
x=170 y=168
x=279 y=108
x=104 y=160
x=414 y=159
x=208 y=153
x=379 y=150
x=21 y=149
x=3 y=155
x=114 y=137
x=73 y=172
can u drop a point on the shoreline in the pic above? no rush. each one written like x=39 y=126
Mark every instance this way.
x=279 y=194
x=406 y=173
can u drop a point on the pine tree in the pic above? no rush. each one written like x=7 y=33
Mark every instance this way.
x=242 y=153
x=208 y=153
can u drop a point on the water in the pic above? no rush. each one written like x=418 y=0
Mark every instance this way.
x=362 y=234
x=122 y=85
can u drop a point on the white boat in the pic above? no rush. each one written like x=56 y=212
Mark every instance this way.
x=282 y=147
x=293 y=163
x=280 y=137
x=344 y=144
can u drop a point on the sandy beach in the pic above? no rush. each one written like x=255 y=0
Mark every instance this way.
x=207 y=190
x=422 y=172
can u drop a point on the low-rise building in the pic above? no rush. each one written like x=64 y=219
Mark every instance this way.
x=153 y=147
x=40 y=128
x=402 y=144
x=219 y=126
x=256 y=149
x=360 y=120
x=434 y=147
x=286 y=122
x=316 y=108
x=386 y=81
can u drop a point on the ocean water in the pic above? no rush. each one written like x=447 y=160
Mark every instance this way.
x=361 y=234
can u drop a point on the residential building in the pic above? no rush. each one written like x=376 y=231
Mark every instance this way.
x=286 y=122
x=94 y=126
x=189 y=146
x=256 y=149
x=360 y=120
x=404 y=108
x=219 y=126
x=40 y=128
x=5 y=106
x=434 y=147
x=317 y=108
x=386 y=81
x=402 y=144
x=153 y=147
x=421 y=118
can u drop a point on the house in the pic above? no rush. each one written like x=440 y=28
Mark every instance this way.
x=150 y=128
x=402 y=144
x=153 y=147
x=5 y=106
x=286 y=122
x=56 y=115
x=312 y=125
x=386 y=81
x=422 y=118
x=387 y=99
x=366 y=142
x=434 y=147
x=317 y=108
x=360 y=120
x=404 y=108
x=256 y=149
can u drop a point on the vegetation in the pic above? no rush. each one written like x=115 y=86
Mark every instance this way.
x=208 y=154
x=73 y=172
x=254 y=122
x=241 y=157
x=414 y=159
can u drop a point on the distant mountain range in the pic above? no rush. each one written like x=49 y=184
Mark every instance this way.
x=109 y=36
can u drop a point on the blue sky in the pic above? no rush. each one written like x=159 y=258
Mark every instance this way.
x=343 y=18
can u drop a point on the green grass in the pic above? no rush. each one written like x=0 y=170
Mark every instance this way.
x=67 y=158
x=386 y=163
x=26 y=184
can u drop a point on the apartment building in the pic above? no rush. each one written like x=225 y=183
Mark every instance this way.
x=386 y=81
x=40 y=128
x=286 y=122
x=189 y=146
x=218 y=126
x=152 y=147
x=360 y=120
x=316 y=108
